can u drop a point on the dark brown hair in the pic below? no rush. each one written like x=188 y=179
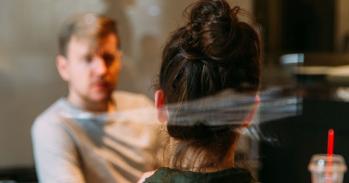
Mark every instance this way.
x=89 y=25
x=214 y=51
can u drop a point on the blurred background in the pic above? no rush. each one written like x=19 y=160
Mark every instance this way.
x=314 y=33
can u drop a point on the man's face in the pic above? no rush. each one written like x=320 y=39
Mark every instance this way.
x=91 y=71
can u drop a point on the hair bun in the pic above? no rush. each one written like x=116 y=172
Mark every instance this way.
x=208 y=11
x=213 y=26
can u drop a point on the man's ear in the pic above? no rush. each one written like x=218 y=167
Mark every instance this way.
x=121 y=58
x=160 y=106
x=62 y=67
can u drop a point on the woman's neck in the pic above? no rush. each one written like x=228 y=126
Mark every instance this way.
x=201 y=161
x=211 y=165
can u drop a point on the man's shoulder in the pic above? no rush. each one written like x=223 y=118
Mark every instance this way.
x=127 y=100
x=50 y=116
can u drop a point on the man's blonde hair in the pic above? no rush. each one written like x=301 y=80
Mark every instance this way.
x=87 y=26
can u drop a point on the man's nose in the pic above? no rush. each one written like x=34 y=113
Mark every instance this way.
x=99 y=66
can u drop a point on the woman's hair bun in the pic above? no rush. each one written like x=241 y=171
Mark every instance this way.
x=209 y=11
x=213 y=26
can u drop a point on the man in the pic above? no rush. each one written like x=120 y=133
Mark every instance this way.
x=73 y=140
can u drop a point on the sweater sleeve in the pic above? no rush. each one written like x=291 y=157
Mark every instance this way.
x=56 y=156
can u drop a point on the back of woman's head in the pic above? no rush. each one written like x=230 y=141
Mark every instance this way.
x=214 y=51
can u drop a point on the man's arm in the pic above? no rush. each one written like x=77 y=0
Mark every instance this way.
x=56 y=156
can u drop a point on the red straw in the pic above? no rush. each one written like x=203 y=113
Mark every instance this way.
x=330 y=142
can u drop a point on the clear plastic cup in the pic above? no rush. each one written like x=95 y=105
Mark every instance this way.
x=327 y=169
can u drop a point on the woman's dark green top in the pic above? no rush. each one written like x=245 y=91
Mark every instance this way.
x=232 y=175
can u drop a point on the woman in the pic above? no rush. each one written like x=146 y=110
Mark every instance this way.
x=212 y=53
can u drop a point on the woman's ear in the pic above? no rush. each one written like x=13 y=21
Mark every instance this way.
x=160 y=106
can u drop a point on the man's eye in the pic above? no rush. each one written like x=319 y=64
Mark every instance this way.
x=108 y=58
x=88 y=58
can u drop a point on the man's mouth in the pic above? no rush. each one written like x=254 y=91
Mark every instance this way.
x=101 y=85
